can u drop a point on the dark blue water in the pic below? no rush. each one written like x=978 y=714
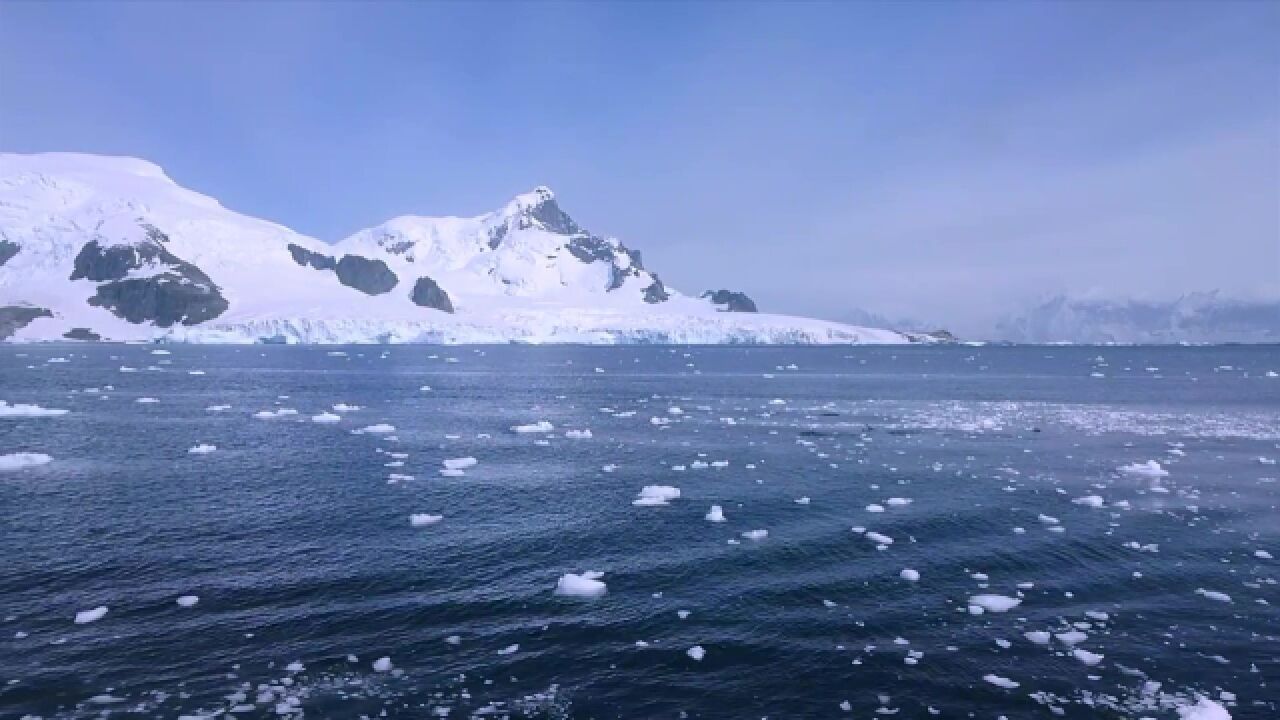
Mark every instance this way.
x=297 y=539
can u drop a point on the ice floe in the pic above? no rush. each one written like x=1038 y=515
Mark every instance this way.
x=85 y=617
x=999 y=681
x=187 y=601
x=18 y=461
x=654 y=495
x=202 y=449
x=424 y=519
x=376 y=429
x=25 y=410
x=696 y=652
x=1150 y=468
x=542 y=426
x=994 y=603
x=587 y=584
x=715 y=514
x=326 y=418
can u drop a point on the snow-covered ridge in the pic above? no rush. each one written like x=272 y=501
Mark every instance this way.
x=111 y=248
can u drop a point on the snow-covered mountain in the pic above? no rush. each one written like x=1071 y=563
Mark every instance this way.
x=104 y=247
x=1207 y=317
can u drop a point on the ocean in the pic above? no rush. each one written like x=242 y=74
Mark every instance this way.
x=911 y=532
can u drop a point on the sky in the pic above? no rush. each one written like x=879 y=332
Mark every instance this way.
x=950 y=162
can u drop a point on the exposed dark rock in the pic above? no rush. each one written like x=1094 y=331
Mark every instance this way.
x=371 y=277
x=427 y=293
x=548 y=214
x=15 y=317
x=163 y=299
x=179 y=293
x=732 y=301
x=589 y=249
x=81 y=334
x=496 y=235
x=7 y=251
x=656 y=292
x=307 y=258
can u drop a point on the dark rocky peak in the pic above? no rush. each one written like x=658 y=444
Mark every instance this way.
x=730 y=301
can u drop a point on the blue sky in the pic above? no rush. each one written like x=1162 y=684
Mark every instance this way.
x=949 y=161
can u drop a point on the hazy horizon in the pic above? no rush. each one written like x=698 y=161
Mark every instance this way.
x=950 y=163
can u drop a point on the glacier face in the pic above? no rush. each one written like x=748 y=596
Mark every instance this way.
x=111 y=248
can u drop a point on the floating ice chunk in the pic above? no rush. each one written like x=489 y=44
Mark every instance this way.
x=802 y=500
x=1003 y=682
x=1150 y=469
x=1262 y=554
x=659 y=421
x=23 y=410
x=295 y=667
x=269 y=414
x=382 y=665
x=161 y=352
x=683 y=614
x=85 y=617
x=1039 y=637
x=217 y=408
x=326 y=417
x=696 y=652
x=461 y=463
x=909 y=575
x=674 y=411
x=715 y=514
x=1047 y=519
x=202 y=449
x=653 y=495
x=187 y=601
x=878 y=538
x=1204 y=709
x=542 y=426
x=510 y=649
x=18 y=461
x=424 y=519
x=1214 y=595
x=897 y=501
x=398 y=477
x=1093 y=501
x=377 y=429
x=995 y=603
x=873 y=507
x=146 y=400
x=578 y=434
x=586 y=585
x=343 y=407
x=1071 y=637
x=446 y=472
x=755 y=534
x=1086 y=657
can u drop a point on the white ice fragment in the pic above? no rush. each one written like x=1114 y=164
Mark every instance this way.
x=382 y=665
x=578 y=434
x=909 y=575
x=715 y=514
x=377 y=429
x=1003 y=682
x=1039 y=637
x=461 y=463
x=1150 y=469
x=586 y=585
x=995 y=603
x=202 y=449
x=874 y=508
x=510 y=649
x=85 y=617
x=18 y=461
x=22 y=410
x=424 y=519
x=542 y=426
x=187 y=601
x=326 y=418
x=1086 y=657
x=696 y=652
x=1093 y=501
x=1204 y=709
x=878 y=538
x=802 y=500
x=755 y=534
x=654 y=495
x=1214 y=595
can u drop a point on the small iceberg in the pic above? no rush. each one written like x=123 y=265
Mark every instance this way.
x=655 y=495
x=586 y=585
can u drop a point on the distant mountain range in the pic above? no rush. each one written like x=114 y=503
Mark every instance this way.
x=110 y=248
x=1206 y=317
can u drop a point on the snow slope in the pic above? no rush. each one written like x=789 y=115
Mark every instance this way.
x=111 y=247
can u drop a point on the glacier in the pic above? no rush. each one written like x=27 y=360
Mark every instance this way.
x=110 y=248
